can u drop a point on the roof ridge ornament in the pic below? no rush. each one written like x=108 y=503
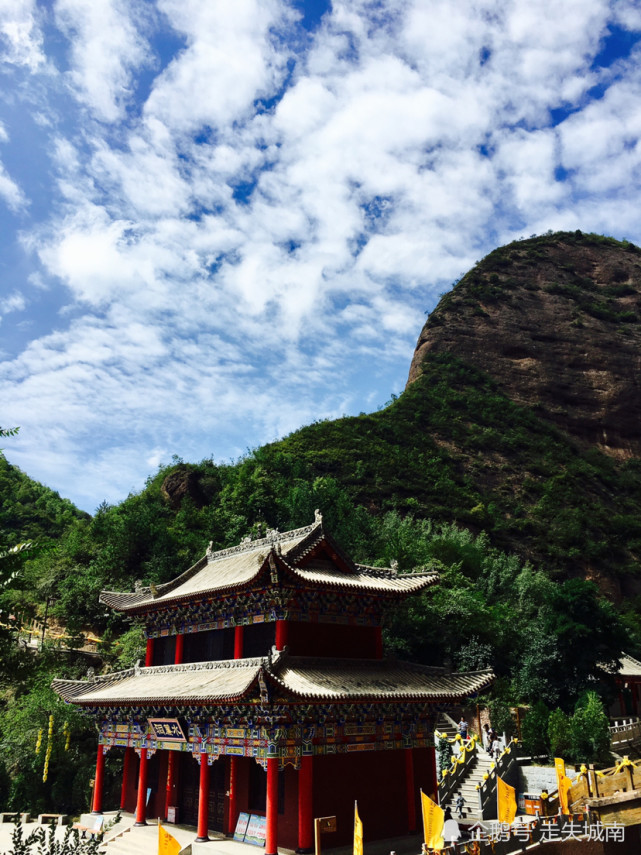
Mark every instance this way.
x=318 y=517
x=394 y=567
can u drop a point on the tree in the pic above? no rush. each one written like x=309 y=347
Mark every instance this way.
x=589 y=731
x=535 y=730
x=559 y=734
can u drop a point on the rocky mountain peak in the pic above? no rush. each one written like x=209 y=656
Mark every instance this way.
x=556 y=322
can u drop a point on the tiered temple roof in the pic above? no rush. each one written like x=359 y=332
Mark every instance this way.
x=300 y=557
x=300 y=678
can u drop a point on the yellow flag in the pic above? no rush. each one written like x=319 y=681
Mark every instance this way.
x=505 y=801
x=433 y=822
x=358 y=832
x=563 y=784
x=167 y=843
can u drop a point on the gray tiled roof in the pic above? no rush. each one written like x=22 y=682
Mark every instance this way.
x=307 y=678
x=231 y=569
x=630 y=667
x=214 y=572
x=204 y=681
x=387 y=679
x=366 y=578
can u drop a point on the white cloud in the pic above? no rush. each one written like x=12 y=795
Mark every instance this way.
x=20 y=35
x=267 y=227
x=105 y=49
x=229 y=61
x=10 y=192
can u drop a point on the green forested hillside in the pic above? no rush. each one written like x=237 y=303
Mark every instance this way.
x=29 y=510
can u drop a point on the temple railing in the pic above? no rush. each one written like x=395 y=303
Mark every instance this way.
x=625 y=733
x=460 y=765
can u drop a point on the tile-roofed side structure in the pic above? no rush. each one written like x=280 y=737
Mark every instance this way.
x=630 y=667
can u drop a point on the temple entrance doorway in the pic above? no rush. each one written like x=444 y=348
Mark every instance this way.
x=188 y=789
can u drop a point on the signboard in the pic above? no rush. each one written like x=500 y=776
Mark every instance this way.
x=326 y=823
x=241 y=826
x=167 y=729
x=256 y=830
x=172 y=813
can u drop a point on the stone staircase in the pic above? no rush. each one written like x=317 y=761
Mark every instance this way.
x=478 y=767
x=475 y=769
x=125 y=838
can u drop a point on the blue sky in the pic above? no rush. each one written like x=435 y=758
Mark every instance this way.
x=221 y=221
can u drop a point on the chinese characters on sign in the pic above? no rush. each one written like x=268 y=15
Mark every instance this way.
x=167 y=729
x=548 y=830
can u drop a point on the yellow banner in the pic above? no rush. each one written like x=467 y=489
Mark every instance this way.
x=505 y=801
x=358 y=832
x=559 y=765
x=563 y=785
x=433 y=822
x=167 y=843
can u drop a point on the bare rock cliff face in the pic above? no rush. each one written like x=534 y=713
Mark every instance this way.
x=556 y=321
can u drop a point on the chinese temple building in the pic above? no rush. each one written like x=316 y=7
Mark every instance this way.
x=628 y=683
x=265 y=691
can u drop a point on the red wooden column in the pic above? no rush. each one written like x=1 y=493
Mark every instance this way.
x=97 y=788
x=271 y=811
x=305 y=815
x=233 y=800
x=149 y=653
x=203 y=800
x=141 y=802
x=409 y=785
x=378 y=636
x=238 y=642
x=171 y=783
x=281 y=634
x=178 y=657
x=126 y=771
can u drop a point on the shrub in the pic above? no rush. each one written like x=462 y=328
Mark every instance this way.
x=444 y=752
x=590 y=733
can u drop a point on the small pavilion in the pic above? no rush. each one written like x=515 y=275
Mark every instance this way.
x=265 y=692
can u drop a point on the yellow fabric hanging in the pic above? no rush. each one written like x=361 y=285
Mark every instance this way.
x=358 y=832
x=167 y=843
x=433 y=822
x=505 y=801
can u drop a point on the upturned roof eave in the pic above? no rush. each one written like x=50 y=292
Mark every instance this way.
x=485 y=678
